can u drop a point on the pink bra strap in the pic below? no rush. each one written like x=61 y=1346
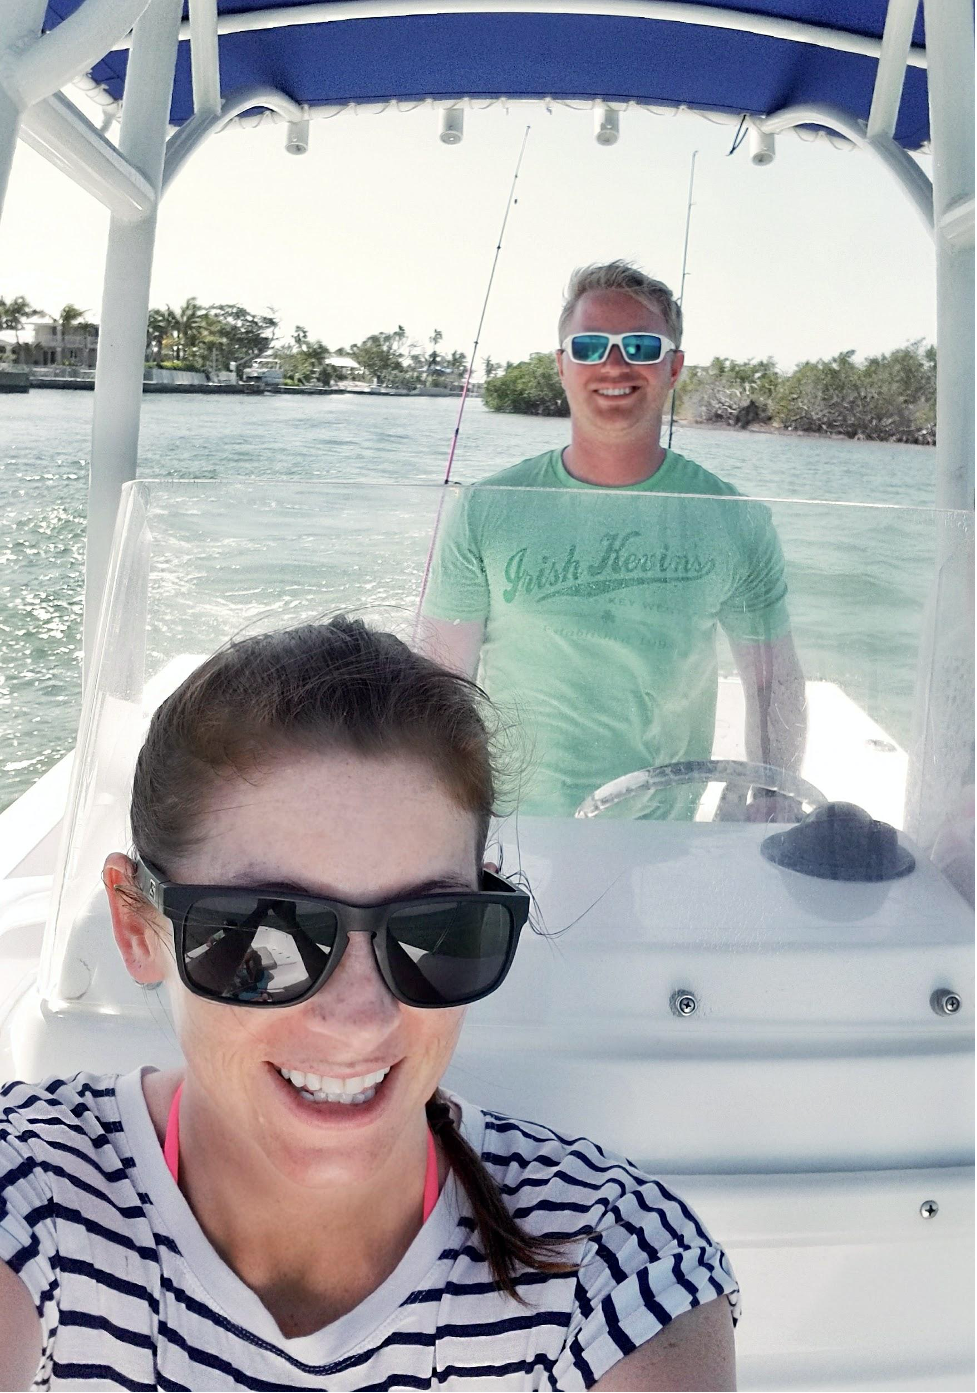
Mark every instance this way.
x=171 y=1143
x=430 y=1179
x=171 y=1155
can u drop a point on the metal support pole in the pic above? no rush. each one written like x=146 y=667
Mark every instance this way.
x=941 y=770
x=73 y=46
x=192 y=134
x=20 y=25
x=125 y=297
x=950 y=45
x=890 y=74
x=56 y=129
x=204 y=56
x=899 y=163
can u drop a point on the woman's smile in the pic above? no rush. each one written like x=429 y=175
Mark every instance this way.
x=316 y=1108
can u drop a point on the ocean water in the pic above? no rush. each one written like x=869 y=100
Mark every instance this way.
x=857 y=527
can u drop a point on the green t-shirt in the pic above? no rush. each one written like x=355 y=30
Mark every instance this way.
x=600 y=609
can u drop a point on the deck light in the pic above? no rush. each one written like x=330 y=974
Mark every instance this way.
x=297 y=137
x=763 y=150
x=607 y=125
x=452 y=126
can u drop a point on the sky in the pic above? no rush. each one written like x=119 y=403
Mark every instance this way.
x=381 y=225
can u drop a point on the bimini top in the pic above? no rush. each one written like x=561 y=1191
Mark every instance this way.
x=754 y=57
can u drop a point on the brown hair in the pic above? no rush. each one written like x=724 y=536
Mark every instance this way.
x=337 y=685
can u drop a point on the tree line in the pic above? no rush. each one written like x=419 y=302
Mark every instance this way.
x=202 y=338
x=891 y=396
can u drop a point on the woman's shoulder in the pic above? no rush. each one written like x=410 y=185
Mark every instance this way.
x=643 y=1255
x=61 y=1120
x=542 y=1171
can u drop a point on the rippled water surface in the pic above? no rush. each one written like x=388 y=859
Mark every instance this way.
x=858 y=579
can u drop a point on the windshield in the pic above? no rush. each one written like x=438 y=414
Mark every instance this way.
x=627 y=636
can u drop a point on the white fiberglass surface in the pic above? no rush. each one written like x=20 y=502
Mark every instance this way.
x=615 y=622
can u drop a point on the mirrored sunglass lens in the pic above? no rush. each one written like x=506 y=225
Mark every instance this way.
x=245 y=949
x=588 y=348
x=448 y=953
x=643 y=348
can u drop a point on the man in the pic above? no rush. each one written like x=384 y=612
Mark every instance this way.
x=590 y=609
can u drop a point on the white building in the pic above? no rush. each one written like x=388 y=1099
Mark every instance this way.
x=45 y=343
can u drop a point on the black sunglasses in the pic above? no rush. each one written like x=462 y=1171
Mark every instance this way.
x=273 y=948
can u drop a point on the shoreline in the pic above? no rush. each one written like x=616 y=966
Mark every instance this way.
x=768 y=428
x=260 y=389
x=229 y=389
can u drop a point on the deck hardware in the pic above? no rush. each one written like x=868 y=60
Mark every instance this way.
x=607 y=125
x=945 y=1003
x=683 y=1003
x=763 y=147
x=297 y=137
x=452 y=126
x=929 y=1209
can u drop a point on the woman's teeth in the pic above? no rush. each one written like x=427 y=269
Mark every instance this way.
x=319 y=1089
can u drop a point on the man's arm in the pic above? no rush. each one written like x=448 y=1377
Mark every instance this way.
x=776 y=706
x=454 y=643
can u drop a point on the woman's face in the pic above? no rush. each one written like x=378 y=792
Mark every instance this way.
x=352 y=829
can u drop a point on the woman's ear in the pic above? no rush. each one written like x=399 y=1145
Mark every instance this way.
x=140 y=931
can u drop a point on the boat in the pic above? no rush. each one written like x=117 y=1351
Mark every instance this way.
x=794 y=1052
x=266 y=370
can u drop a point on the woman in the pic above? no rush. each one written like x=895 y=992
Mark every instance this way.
x=301 y=1206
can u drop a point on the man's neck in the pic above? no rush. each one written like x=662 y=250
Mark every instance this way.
x=613 y=463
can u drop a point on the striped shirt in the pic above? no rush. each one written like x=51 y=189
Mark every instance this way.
x=132 y=1295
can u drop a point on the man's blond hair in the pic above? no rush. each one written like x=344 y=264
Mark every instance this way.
x=623 y=275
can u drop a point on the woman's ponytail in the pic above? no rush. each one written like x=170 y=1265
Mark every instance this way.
x=506 y=1244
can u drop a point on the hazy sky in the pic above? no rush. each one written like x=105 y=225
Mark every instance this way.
x=380 y=224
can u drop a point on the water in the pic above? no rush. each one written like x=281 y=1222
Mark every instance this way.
x=858 y=580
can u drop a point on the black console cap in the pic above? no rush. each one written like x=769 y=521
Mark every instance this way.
x=840 y=841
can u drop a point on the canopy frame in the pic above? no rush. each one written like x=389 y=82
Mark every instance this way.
x=130 y=179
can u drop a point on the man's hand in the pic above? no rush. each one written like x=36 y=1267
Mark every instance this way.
x=767 y=806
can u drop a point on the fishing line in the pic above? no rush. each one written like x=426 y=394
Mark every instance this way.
x=464 y=391
x=681 y=289
x=739 y=137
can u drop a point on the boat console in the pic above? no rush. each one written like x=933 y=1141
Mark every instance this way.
x=794 y=1049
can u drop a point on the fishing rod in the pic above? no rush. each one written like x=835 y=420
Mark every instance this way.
x=681 y=289
x=467 y=383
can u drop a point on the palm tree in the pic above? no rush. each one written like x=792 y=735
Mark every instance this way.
x=159 y=327
x=189 y=321
x=434 y=357
x=13 y=314
x=69 y=317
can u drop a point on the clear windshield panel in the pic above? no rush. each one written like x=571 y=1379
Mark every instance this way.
x=689 y=660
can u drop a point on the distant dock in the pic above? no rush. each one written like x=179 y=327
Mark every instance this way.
x=23 y=381
x=214 y=389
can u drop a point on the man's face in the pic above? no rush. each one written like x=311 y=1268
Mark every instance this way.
x=617 y=398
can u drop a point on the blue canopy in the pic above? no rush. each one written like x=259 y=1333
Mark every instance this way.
x=550 y=54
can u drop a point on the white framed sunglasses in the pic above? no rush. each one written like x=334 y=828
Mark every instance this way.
x=635 y=348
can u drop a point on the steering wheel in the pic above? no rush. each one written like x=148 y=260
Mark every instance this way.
x=738 y=776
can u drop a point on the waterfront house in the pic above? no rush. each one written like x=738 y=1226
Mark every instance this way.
x=44 y=343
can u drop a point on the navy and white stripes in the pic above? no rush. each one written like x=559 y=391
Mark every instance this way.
x=131 y=1295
